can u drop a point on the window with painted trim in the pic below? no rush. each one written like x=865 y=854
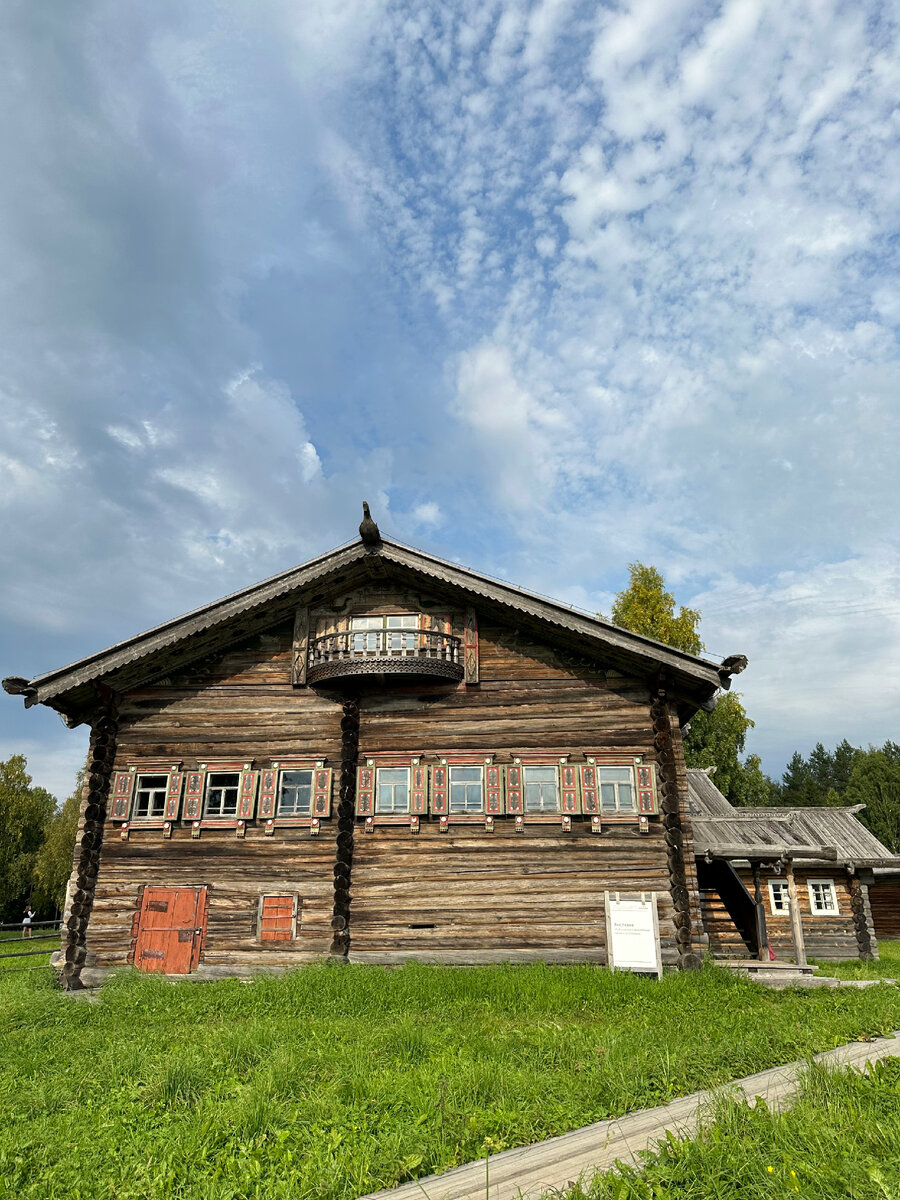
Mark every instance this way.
x=295 y=790
x=466 y=790
x=222 y=793
x=385 y=634
x=822 y=896
x=541 y=789
x=392 y=790
x=779 y=897
x=617 y=792
x=150 y=797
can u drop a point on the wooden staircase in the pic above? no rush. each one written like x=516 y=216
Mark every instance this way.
x=724 y=939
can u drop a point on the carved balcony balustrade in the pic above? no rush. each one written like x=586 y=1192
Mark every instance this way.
x=355 y=655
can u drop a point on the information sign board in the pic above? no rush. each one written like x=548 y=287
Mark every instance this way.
x=632 y=932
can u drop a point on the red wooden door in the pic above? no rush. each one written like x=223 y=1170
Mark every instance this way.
x=171 y=926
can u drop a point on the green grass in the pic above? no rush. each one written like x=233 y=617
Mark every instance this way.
x=887 y=966
x=841 y=1139
x=335 y=1080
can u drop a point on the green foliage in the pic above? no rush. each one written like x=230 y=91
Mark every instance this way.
x=25 y=813
x=821 y=779
x=839 y=1139
x=875 y=782
x=646 y=607
x=333 y=1081
x=53 y=863
x=715 y=739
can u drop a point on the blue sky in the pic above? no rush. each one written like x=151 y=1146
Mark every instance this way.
x=555 y=286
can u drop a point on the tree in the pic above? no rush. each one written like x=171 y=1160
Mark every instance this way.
x=716 y=739
x=875 y=782
x=646 y=607
x=53 y=864
x=25 y=813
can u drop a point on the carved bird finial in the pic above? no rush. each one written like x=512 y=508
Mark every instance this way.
x=368 y=530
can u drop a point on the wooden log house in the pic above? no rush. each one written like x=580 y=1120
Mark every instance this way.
x=376 y=756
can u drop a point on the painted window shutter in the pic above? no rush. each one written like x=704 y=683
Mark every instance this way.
x=646 y=781
x=276 y=918
x=590 y=798
x=418 y=788
x=470 y=647
x=268 y=788
x=193 y=795
x=247 y=795
x=321 y=801
x=568 y=778
x=173 y=795
x=439 y=776
x=365 y=791
x=123 y=786
x=514 y=788
x=493 y=789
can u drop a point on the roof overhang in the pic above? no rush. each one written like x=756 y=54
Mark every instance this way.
x=72 y=689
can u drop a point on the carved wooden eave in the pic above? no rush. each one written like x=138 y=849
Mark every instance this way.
x=71 y=690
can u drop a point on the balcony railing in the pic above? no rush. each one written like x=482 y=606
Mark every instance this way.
x=385 y=652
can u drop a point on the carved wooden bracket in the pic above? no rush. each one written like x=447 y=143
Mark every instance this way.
x=300 y=648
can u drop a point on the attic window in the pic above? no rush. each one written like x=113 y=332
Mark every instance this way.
x=375 y=635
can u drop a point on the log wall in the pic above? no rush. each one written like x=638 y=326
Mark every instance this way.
x=826 y=935
x=461 y=896
x=885 y=901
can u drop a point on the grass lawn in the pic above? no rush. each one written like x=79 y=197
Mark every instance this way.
x=887 y=966
x=335 y=1080
x=841 y=1139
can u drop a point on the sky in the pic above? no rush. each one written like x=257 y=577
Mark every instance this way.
x=556 y=287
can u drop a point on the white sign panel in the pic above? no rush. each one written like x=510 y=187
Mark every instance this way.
x=632 y=933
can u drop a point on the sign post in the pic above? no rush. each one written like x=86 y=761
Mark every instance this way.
x=632 y=933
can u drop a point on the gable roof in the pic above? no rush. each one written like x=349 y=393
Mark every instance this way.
x=166 y=647
x=723 y=830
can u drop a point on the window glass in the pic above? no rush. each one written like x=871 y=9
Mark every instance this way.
x=382 y=634
x=222 y=793
x=465 y=790
x=822 y=898
x=295 y=794
x=616 y=789
x=392 y=795
x=151 y=795
x=540 y=789
x=778 y=895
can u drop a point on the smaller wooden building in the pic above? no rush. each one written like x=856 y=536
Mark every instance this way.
x=784 y=883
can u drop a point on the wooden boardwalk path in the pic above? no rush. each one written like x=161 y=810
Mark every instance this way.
x=530 y=1170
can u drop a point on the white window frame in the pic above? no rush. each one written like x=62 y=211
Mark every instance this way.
x=221 y=816
x=376 y=634
x=831 y=892
x=388 y=812
x=464 y=767
x=779 y=887
x=294 y=813
x=150 y=816
x=537 y=766
x=617 y=783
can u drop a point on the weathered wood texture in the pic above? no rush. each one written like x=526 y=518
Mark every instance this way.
x=825 y=935
x=489 y=896
x=884 y=898
x=237 y=872
x=442 y=896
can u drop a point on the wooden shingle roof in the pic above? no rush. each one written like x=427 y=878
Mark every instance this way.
x=169 y=646
x=721 y=829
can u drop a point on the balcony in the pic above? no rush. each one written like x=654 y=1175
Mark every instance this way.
x=358 y=656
